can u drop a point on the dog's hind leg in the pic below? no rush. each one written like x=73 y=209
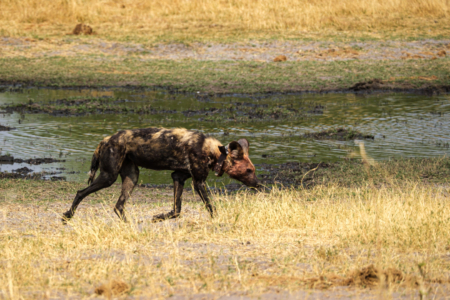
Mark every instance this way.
x=179 y=179
x=130 y=175
x=112 y=157
x=102 y=181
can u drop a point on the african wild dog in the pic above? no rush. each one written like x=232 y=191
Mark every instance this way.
x=187 y=153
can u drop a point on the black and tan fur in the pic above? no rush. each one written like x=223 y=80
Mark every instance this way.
x=187 y=153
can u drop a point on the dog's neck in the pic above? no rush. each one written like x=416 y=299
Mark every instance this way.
x=218 y=161
x=221 y=164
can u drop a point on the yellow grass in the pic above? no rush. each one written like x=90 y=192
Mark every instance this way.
x=214 y=19
x=285 y=239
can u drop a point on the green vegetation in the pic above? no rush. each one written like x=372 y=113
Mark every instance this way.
x=224 y=76
x=353 y=173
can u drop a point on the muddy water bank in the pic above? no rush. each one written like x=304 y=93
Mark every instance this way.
x=304 y=175
x=8 y=159
x=235 y=111
x=285 y=175
x=364 y=87
x=67 y=124
x=25 y=173
x=339 y=134
x=22 y=168
x=6 y=128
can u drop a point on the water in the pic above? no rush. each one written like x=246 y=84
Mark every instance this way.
x=404 y=125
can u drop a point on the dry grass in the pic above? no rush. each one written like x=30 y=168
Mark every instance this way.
x=287 y=239
x=209 y=19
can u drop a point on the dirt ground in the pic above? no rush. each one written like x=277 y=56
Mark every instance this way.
x=437 y=292
x=250 y=51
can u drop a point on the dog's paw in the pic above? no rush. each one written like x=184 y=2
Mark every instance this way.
x=66 y=217
x=163 y=217
x=159 y=218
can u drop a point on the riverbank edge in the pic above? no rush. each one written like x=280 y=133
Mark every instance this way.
x=427 y=89
x=348 y=173
x=228 y=77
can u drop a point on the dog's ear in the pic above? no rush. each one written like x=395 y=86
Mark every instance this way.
x=244 y=144
x=236 y=151
x=223 y=150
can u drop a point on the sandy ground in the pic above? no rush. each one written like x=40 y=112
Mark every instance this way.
x=251 y=51
x=436 y=292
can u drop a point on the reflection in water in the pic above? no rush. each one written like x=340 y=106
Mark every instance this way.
x=403 y=125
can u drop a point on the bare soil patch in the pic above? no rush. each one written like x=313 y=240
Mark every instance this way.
x=374 y=84
x=256 y=51
x=340 y=134
x=80 y=107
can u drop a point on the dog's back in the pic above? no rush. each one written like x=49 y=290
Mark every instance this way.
x=160 y=148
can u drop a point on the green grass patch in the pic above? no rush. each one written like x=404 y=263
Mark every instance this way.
x=223 y=76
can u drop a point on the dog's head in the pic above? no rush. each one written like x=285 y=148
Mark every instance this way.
x=238 y=164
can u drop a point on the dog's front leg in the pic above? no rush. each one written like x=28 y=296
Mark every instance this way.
x=178 y=185
x=200 y=188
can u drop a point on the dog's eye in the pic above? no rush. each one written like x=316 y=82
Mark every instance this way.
x=249 y=171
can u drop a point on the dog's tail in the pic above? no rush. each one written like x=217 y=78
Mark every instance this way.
x=95 y=162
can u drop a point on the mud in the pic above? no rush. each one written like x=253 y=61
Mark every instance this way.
x=27 y=173
x=6 y=128
x=339 y=134
x=375 y=84
x=18 y=175
x=378 y=85
x=244 y=112
x=291 y=174
x=23 y=170
x=24 y=173
x=203 y=111
x=81 y=107
x=237 y=111
x=8 y=159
